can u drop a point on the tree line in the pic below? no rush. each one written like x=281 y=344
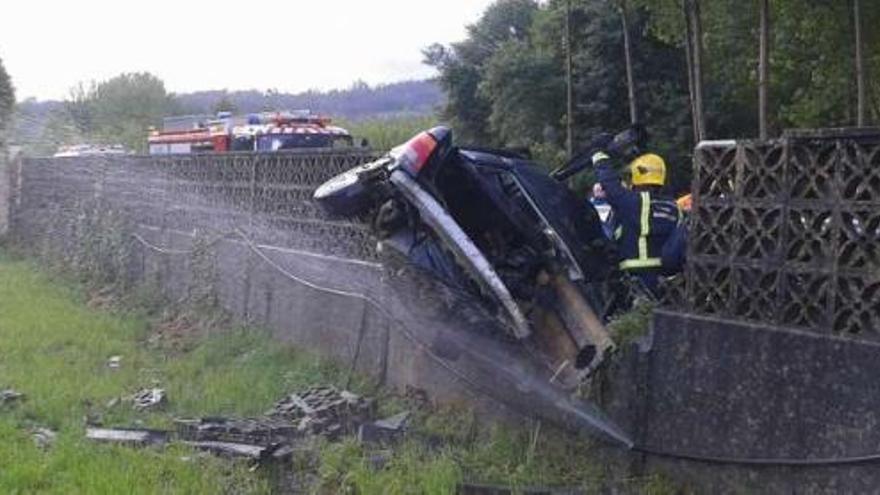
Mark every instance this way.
x=121 y=109
x=549 y=75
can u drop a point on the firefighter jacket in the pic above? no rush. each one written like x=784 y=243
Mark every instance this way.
x=645 y=221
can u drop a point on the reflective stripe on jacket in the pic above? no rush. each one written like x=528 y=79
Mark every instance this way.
x=646 y=221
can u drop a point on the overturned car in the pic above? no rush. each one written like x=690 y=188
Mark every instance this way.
x=500 y=227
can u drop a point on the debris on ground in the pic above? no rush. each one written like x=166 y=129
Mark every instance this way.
x=114 y=362
x=9 y=395
x=317 y=411
x=234 y=449
x=324 y=410
x=149 y=398
x=384 y=431
x=43 y=437
x=398 y=422
x=130 y=436
x=262 y=431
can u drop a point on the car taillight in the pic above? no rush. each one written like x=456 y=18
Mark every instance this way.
x=415 y=153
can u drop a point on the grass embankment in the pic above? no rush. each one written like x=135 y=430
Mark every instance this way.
x=54 y=348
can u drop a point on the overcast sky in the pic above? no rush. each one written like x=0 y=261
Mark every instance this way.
x=293 y=45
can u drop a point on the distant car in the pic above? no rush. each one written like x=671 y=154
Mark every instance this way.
x=90 y=150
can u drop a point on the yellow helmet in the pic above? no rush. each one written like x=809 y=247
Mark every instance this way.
x=648 y=170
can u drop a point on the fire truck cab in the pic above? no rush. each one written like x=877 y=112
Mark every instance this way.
x=284 y=131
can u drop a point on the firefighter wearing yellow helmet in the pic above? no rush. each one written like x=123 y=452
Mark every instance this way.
x=646 y=217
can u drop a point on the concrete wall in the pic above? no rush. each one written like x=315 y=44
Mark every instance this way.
x=736 y=407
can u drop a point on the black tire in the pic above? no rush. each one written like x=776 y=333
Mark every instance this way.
x=351 y=192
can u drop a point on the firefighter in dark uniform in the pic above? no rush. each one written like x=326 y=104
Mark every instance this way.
x=646 y=218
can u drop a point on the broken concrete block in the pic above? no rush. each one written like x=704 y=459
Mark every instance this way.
x=43 y=437
x=129 y=436
x=283 y=453
x=262 y=431
x=149 y=398
x=9 y=395
x=114 y=362
x=231 y=449
x=369 y=433
x=324 y=410
x=386 y=430
x=398 y=422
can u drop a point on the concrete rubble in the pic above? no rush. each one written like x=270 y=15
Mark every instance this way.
x=43 y=437
x=384 y=431
x=263 y=430
x=129 y=436
x=324 y=411
x=149 y=398
x=233 y=449
x=9 y=395
x=317 y=411
x=115 y=362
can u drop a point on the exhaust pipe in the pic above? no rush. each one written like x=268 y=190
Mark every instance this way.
x=592 y=339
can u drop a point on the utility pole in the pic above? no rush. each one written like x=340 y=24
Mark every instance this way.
x=698 y=68
x=689 y=55
x=630 y=79
x=763 y=68
x=860 y=65
x=569 y=116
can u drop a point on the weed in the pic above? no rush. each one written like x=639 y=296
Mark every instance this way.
x=633 y=324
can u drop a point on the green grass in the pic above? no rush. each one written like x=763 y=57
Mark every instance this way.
x=54 y=349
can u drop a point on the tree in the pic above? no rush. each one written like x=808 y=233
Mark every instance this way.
x=600 y=77
x=812 y=81
x=523 y=85
x=7 y=101
x=80 y=107
x=118 y=110
x=505 y=89
x=461 y=66
x=512 y=92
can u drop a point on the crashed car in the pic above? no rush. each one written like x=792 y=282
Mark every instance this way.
x=495 y=224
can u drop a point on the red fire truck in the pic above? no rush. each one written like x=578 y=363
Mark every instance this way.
x=272 y=131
